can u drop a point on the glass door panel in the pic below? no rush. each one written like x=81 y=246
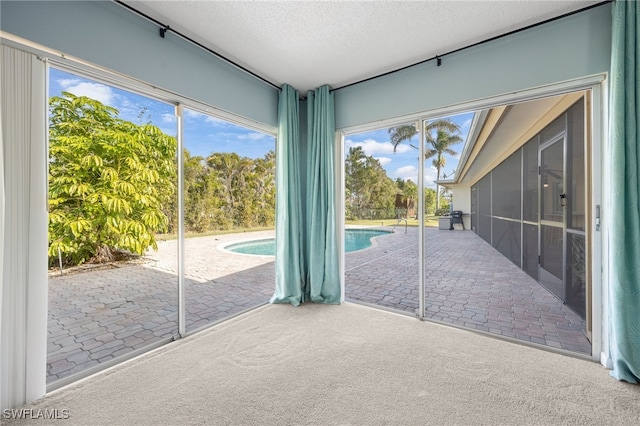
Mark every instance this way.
x=112 y=197
x=551 y=259
x=576 y=273
x=381 y=203
x=552 y=203
x=229 y=214
x=552 y=194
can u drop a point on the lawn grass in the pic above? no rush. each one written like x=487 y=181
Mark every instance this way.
x=165 y=237
x=430 y=221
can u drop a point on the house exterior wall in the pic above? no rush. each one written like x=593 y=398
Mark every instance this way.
x=462 y=201
x=535 y=214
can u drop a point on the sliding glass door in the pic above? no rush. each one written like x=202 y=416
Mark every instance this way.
x=552 y=216
x=229 y=213
x=112 y=205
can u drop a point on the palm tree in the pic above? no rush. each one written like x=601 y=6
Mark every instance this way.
x=400 y=134
x=440 y=145
x=446 y=135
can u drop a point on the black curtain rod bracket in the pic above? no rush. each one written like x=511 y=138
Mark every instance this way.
x=438 y=58
x=164 y=28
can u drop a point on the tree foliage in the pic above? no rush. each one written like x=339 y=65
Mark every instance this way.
x=108 y=181
x=368 y=188
x=439 y=135
x=227 y=191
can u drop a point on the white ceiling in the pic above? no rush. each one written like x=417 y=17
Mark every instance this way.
x=311 y=43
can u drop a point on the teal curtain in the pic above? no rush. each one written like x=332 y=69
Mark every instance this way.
x=289 y=223
x=625 y=166
x=306 y=243
x=321 y=262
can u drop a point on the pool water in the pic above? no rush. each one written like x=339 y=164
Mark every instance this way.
x=354 y=240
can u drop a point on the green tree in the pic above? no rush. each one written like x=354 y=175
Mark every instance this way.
x=108 y=181
x=439 y=136
x=226 y=191
x=401 y=134
x=264 y=184
x=368 y=188
x=429 y=200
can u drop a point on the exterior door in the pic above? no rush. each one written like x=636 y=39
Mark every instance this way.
x=552 y=216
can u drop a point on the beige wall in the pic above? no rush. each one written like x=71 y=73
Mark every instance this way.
x=462 y=201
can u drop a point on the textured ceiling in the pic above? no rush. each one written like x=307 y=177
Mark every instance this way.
x=310 y=43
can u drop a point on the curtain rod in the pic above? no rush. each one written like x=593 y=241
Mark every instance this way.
x=438 y=58
x=164 y=28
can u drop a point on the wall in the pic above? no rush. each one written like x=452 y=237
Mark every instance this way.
x=575 y=46
x=110 y=36
x=462 y=201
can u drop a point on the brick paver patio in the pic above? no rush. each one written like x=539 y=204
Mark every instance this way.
x=98 y=315
x=467 y=283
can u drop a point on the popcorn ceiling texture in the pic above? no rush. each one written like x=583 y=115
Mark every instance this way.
x=308 y=44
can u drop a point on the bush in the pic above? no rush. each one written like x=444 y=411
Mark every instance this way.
x=108 y=180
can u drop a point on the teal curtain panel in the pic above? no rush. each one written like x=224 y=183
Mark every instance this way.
x=625 y=165
x=289 y=224
x=306 y=241
x=323 y=282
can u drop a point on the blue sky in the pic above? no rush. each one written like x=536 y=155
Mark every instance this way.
x=204 y=134
x=405 y=161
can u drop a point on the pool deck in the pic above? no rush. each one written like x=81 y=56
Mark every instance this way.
x=98 y=315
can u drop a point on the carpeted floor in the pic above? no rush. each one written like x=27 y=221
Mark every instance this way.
x=343 y=365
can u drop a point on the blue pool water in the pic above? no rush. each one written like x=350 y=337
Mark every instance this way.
x=354 y=239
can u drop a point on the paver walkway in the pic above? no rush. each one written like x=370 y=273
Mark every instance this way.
x=467 y=283
x=99 y=315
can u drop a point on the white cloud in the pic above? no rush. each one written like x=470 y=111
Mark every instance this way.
x=192 y=114
x=373 y=147
x=217 y=122
x=430 y=175
x=168 y=118
x=253 y=136
x=406 y=171
x=383 y=160
x=96 y=91
x=466 y=124
x=411 y=173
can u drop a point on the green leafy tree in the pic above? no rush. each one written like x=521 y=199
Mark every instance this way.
x=368 y=188
x=227 y=191
x=108 y=181
x=401 y=134
x=264 y=187
x=429 y=201
x=440 y=135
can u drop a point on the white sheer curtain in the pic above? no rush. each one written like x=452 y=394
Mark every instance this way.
x=1 y=233
x=23 y=300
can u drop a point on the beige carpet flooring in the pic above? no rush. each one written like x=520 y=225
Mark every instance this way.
x=344 y=365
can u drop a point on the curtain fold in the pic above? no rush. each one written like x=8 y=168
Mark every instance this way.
x=322 y=276
x=289 y=224
x=306 y=242
x=1 y=235
x=625 y=178
x=23 y=327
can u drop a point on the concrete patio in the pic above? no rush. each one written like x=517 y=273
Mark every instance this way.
x=97 y=315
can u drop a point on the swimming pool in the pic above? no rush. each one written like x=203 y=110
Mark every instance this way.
x=354 y=240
